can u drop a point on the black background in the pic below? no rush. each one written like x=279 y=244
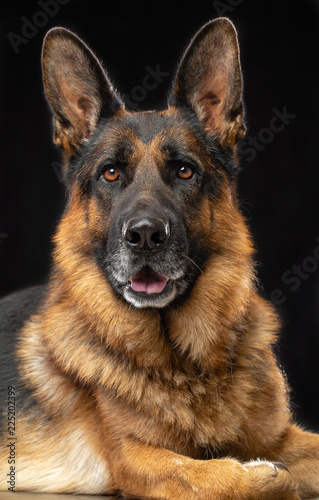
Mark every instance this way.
x=278 y=188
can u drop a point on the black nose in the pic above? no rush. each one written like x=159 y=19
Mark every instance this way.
x=146 y=234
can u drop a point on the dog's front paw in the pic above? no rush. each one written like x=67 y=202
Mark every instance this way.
x=271 y=480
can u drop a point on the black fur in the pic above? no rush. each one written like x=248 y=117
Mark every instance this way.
x=15 y=310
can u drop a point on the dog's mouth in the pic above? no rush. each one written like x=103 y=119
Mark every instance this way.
x=148 y=281
x=148 y=288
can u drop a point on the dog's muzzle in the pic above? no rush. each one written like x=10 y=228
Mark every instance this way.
x=146 y=234
x=147 y=258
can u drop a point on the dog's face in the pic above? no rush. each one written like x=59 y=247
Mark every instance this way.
x=149 y=181
x=150 y=175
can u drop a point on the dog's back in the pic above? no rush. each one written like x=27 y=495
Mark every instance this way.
x=15 y=311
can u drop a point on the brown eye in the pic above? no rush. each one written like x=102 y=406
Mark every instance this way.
x=111 y=174
x=185 y=172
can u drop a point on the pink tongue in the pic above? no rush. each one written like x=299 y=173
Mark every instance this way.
x=149 y=281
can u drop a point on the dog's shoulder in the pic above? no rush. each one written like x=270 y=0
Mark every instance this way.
x=15 y=310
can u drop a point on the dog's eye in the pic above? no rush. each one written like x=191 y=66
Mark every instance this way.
x=185 y=172
x=111 y=174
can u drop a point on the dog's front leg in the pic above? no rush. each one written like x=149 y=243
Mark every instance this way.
x=299 y=451
x=143 y=471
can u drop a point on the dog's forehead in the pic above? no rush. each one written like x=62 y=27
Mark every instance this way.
x=155 y=139
x=149 y=130
x=150 y=125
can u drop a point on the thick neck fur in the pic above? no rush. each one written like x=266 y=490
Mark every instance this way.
x=184 y=367
x=205 y=336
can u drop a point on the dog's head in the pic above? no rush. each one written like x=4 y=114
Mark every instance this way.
x=150 y=193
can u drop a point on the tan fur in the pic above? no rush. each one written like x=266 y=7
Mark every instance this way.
x=191 y=380
x=176 y=403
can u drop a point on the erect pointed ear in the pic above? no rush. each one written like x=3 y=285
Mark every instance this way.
x=209 y=80
x=76 y=87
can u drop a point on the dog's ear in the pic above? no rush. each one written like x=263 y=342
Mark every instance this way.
x=209 y=80
x=77 y=88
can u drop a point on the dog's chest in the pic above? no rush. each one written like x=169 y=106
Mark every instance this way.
x=184 y=412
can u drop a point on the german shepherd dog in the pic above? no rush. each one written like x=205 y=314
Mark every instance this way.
x=145 y=367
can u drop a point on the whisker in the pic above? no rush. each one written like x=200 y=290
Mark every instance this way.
x=193 y=263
